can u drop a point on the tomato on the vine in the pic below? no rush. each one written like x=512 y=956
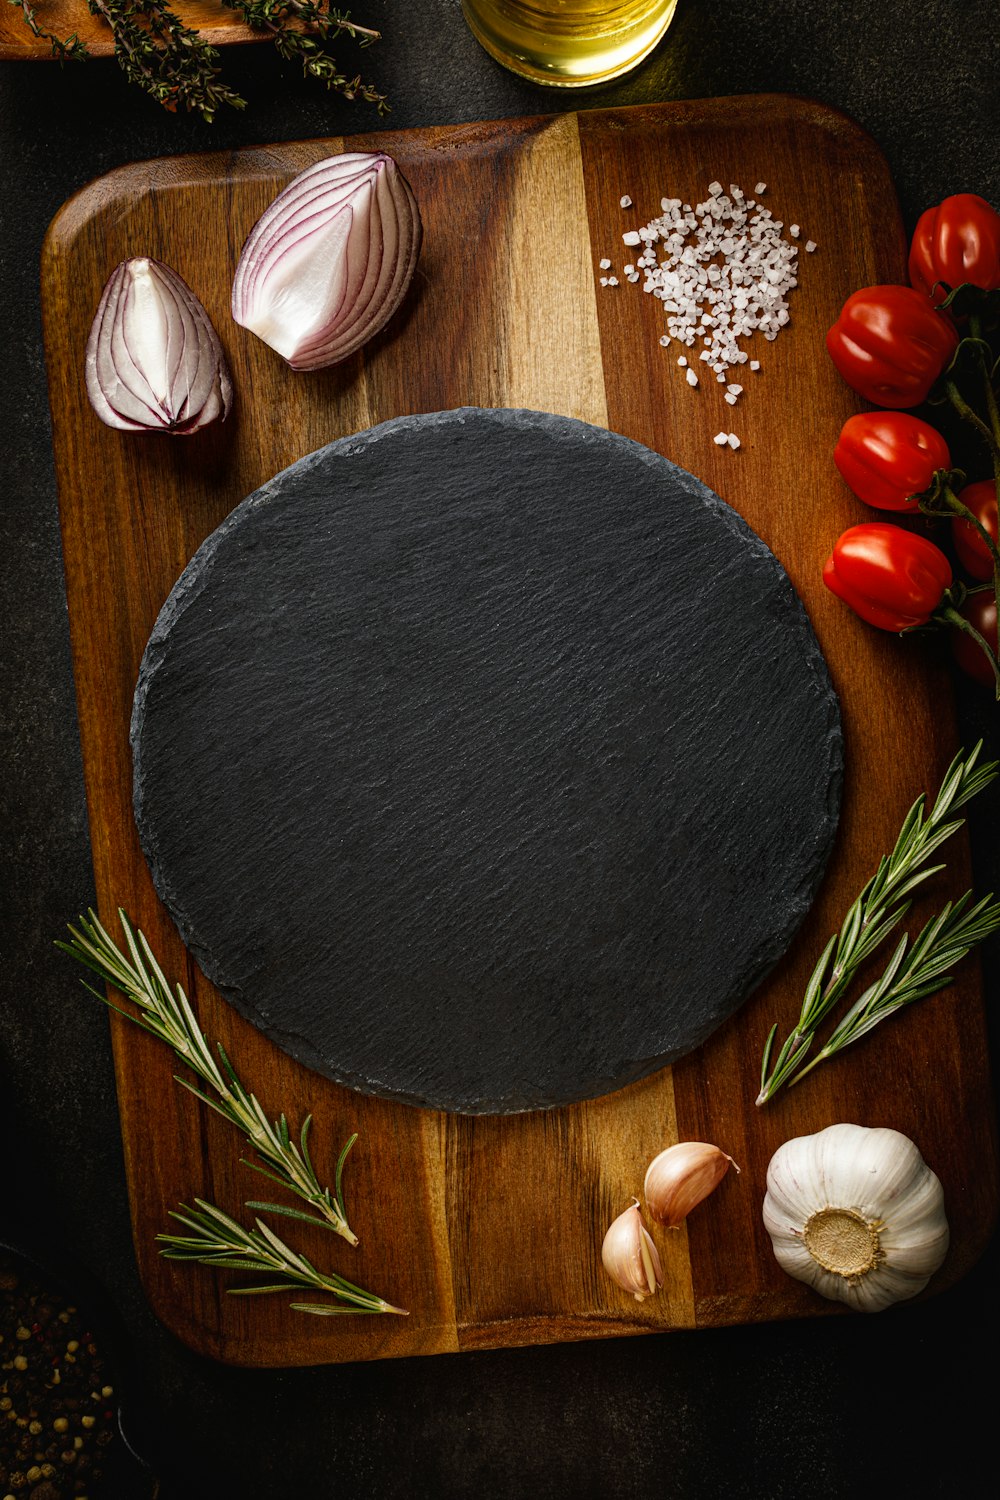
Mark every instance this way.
x=956 y=242
x=980 y=609
x=891 y=577
x=973 y=553
x=889 y=457
x=890 y=345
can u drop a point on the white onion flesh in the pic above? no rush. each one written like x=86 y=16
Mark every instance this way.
x=154 y=362
x=329 y=262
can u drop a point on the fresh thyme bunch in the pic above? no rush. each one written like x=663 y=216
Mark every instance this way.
x=302 y=31
x=177 y=67
x=167 y=1014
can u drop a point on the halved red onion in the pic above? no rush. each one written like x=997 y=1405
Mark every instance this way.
x=154 y=362
x=328 y=263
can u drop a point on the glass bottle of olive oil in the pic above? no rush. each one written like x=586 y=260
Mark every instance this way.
x=569 y=42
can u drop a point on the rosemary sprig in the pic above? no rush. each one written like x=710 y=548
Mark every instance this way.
x=943 y=942
x=168 y=1015
x=217 y=1240
x=875 y=913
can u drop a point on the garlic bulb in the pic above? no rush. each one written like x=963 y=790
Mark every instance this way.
x=154 y=362
x=857 y=1213
x=630 y=1256
x=680 y=1177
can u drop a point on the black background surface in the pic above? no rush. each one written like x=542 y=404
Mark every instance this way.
x=900 y=1402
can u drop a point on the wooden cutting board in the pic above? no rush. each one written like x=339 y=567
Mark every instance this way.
x=488 y=1229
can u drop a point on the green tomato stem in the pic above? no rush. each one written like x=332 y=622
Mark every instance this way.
x=954 y=504
x=975 y=327
x=950 y=616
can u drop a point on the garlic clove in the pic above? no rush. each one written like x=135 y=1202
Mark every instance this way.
x=630 y=1257
x=681 y=1177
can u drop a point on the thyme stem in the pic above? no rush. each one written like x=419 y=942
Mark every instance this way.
x=302 y=31
x=175 y=65
x=166 y=59
x=63 y=48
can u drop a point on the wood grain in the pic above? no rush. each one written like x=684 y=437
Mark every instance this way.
x=488 y=1229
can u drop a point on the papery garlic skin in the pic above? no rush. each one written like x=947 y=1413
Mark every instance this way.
x=154 y=362
x=681 y=1177
x=857 y=1214
x=630 y=1256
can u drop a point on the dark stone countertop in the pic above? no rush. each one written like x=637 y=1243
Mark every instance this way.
x=827 y=1406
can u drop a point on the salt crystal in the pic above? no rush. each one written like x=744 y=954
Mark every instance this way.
x=721 y=438
x=722 y=270
x=735 y=390
x=664 y=339
x=731 y=399
x=625 y=201
x=733 y=440
x=793 y=230
x=605 y=264
x=692 y=378
x=682 y=361
x=760 y=188
x=810 y=246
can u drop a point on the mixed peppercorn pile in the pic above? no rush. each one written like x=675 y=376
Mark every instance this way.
x=57 y=1410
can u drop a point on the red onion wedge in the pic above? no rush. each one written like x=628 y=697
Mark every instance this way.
x=154 y=362
x=327 y=265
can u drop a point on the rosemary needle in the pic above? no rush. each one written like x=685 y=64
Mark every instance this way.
x=943 y=942
x=877 y=911
x=214 y=1239
x=168 y=1015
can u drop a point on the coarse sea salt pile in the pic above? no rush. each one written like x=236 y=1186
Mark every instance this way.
x=723 y=271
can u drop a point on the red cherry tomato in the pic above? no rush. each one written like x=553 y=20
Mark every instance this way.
x=887 y=457
x=973 y=553
x=980 y=609
x=954 y=243
x=890 y=345
x=890 y=577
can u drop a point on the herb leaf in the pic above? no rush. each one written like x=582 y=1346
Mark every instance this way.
x=878 y=911
x=167 y=1014
x=217 y=1240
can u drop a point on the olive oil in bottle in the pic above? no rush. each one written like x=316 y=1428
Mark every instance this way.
x=569 y=42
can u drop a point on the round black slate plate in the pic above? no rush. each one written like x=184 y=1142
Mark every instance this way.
x=485 y=760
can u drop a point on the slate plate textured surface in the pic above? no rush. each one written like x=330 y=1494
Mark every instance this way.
x=485 y=760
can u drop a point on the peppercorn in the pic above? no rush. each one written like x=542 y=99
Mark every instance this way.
x=53 y=1393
